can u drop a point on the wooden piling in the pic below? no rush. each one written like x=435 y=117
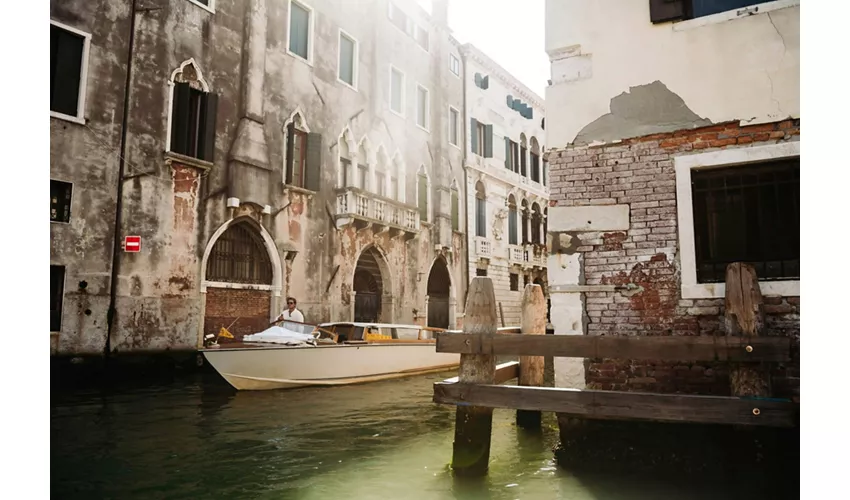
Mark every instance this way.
x=745 y=317
x=473 y=424
x=531 y=367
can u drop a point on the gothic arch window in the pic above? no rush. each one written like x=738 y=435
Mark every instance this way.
x=512 y=220
x=423 y=193
x=381 y=172
x=480 y=210
x=345 y=172
x=303 y=154
x=536 y=222
x=240 y=256
x=535 y=160
x=455 y=207
x=192 y=117
x=523 y=155
x=525 y=222
x=396 y=184
x=362 y=180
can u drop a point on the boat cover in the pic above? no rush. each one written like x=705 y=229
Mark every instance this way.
x=279 y=335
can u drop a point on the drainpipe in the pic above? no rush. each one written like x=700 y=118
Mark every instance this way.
x=465 y=136
x=116 y=236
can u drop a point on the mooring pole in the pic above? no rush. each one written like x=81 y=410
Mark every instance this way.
x=473 y=424
x=745 y=317
x=531 y=367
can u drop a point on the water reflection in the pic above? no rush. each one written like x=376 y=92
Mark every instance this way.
x=198 y=438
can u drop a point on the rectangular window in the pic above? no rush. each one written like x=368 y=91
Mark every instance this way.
x=480 y=130
x=514 y=282
x=299 y=30
x=193 y=121
x=454 y=126
x=481 y=272
x=423 y=38
x=455 y=210
x=394 y=193
x=481 y=217
x=454 y=65
x=362 y=176
x=535 y=167
x=422 y=107
x=60 y=201
x=381 y=181
x=298 y=139
x=68 y=60
x=347 y=59
x=523 y=162
x=511 y=155
x=545 y=172
x=748 y=214
x=57 y=293
x=396 y=91
x=525 y=280
x=345 y=166
x=670 y=10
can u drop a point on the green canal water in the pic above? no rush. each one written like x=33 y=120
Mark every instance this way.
x=195 y=437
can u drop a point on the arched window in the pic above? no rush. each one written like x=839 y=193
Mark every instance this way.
x=381 y=173
x=524 y=222
x=303 y=154
x=362 y=167
x=422 y=195
x=545 y=223
x=523 y=155
x=512 y=216
x=345 y=173
x=536 y=221
x=535 y=160
x=395 y=175
x=455 y=207
x=193 y=114
x=239 y=256
x=480 y=210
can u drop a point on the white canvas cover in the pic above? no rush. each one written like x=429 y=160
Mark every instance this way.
x=279 y=335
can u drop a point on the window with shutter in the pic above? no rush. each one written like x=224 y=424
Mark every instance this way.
x=312 y=160
x=454 y=121
x=523 y=162
x=455 y=210
x=193 y=122
x=488 y=141
x=480 y=210
x=423 y=198
x=68 y=54
x=508 y=154
x=512 y=215
x=299 y=29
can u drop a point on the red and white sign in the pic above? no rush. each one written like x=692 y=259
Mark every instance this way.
x=132 y=243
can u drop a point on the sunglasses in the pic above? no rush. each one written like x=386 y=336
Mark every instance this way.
x=290 y=303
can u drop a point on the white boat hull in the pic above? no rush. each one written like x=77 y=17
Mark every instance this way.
x=283 y=367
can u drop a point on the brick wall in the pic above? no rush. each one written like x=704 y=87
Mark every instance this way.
x=223 y=306
x=639 y=172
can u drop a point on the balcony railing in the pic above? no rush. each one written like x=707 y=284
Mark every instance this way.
x=353 y=205
x=516 y=254
x=483 y=247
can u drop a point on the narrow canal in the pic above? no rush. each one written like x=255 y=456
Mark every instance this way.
x=197 y=438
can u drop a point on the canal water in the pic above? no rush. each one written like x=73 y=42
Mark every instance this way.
x=195 y=437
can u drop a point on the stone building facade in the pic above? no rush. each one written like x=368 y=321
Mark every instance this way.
x=665 y=168
x=507 y=194
x=271 y=148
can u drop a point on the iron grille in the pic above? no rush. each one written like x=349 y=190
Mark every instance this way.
x=748 y=214
x=239 y=257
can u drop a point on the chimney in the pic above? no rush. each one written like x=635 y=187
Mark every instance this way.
x=440 y=12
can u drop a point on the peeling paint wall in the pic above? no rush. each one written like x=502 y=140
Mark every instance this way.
x=616 y=75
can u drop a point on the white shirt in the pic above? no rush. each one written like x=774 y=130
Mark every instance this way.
x=294 y=315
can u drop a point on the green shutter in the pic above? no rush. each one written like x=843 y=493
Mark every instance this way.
x=290 y=147
x=423 y=198
x=209 y=107
x=455 y=211
x=474 y=134
x=313 y=169
x=180 y=118
x=507 y=153
x=512 y=226
x=488 y=141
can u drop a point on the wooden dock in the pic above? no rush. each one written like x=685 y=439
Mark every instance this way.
x=478 y=387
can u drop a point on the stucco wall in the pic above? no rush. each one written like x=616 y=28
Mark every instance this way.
x=606 y=56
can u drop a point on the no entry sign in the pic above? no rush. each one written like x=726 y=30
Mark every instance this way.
x=132 y=243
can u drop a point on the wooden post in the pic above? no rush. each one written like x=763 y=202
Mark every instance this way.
x=471 y=450
x=745 y=317
x=502 y=314
x=531 y=367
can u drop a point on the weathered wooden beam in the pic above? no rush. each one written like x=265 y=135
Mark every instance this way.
x=679 y=348
x=531 y=367
x=615 y=405
x=473 y=424
x=505 y=372
x=745 y=317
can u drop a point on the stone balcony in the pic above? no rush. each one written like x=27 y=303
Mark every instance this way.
x=364 y=209
x=527 y=256
x=483 y=248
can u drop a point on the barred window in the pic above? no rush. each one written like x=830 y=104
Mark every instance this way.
x=239 y=256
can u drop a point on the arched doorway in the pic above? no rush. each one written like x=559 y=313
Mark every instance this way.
x=439 y=292
x=238 y=281
x=368 y=287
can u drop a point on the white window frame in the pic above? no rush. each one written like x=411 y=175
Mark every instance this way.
x=80 y=117
x=390 y=90
x=310 y=30
x=416 y=30
x=457 y=126
x=355 y=74
x=452 y=58
x=427 y=118
x=209 y=8
x=684 y=165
